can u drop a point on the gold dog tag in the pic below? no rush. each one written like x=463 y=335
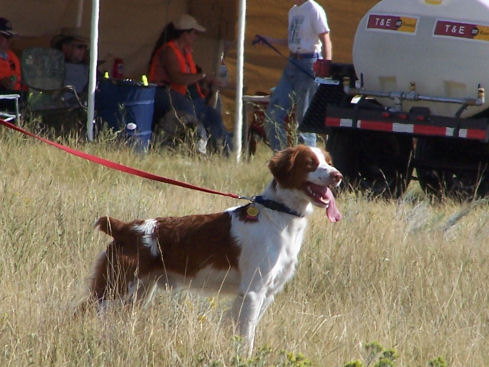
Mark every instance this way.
x=252 y=213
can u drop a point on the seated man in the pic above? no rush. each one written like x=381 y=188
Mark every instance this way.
x=172 y=65
x=10 y=77
x=74 y=46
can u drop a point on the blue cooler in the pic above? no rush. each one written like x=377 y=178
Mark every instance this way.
x=127 y=106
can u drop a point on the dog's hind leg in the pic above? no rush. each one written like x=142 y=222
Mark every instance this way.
x=142 y=290
x=99 y=280
x=112 y=275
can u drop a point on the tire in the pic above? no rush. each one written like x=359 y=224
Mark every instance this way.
x=427 y=155
x=452 y=168
x=378 y=164
x=342 y=147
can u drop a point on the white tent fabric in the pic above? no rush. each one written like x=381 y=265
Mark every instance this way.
x=128 y=28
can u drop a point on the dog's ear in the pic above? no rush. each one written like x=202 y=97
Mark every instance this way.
x=291 y=166
x=281 y=165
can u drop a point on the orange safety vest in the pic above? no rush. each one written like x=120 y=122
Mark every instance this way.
x=158 y=75
x=10 y=68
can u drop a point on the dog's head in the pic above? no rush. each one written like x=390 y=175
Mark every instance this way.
x=310 y=171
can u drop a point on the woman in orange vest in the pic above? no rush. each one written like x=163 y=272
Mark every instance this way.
x=173 y=69
x=9 y=62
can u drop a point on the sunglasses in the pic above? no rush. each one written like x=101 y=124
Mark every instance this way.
x=6 y=36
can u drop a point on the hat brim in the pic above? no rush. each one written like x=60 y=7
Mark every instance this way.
x=199 y=28
x=81 y=39
x=57 y=40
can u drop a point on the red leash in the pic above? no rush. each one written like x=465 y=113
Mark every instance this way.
x=116 y=166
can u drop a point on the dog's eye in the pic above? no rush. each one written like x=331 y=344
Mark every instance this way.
x=312 y=164
x=328 y=159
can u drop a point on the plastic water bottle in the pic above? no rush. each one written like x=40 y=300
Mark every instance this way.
x=223 y=73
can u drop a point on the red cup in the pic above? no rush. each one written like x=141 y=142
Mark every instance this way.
x=118 y=69
x=322 y=68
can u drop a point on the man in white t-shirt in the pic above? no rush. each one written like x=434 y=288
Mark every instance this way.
x=308 y=41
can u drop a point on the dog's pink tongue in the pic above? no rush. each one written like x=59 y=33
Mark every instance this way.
x=332 y=211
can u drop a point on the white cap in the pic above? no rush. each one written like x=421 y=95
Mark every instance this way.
x=188 y=22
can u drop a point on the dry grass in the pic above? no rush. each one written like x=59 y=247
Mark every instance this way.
x=408 y=274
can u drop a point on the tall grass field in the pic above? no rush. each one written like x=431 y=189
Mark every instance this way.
x=411 y=275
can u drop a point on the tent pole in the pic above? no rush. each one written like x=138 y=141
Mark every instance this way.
x=238 y=117
x=93 y=68
x=79 y=14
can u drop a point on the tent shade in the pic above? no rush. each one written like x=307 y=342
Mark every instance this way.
x=218 y=16
x=128 y=28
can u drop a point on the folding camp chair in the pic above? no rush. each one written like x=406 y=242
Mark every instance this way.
x=43 y=71
x=60 y=107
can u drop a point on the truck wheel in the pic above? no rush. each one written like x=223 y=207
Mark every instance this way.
x=376 y=163
x=453 y=168
x=386 y=163
x=427 y=156
x=342 y=145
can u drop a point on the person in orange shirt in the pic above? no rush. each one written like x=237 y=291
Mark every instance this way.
x=10 y=77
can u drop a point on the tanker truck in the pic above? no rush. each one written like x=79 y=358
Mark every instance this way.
x=412 y=105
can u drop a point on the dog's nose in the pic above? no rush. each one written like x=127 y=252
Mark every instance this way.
x=336 y=176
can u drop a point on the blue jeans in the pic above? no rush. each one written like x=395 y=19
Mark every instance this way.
x=211 y=119
x=294 y=88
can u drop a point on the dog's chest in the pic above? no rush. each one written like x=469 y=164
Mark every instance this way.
x=288 y=251
x=290 y=238
x=270 y=244
x=283 y=270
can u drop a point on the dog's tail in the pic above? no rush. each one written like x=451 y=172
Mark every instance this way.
x=111 y=226
x=132 y=238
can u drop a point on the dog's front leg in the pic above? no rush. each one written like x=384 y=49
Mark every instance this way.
x=268 y=300
x=246 y=311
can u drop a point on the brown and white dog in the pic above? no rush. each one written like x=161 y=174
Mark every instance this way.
x=250 y=251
